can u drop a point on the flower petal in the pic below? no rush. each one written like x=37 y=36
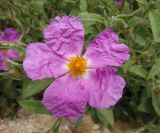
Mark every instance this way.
x=41 y=62
x=65 y=35
x=3 y=55
x=105 y=87
x=105 y=50
x=3 y=66
x=9 y=35
x=66 y=97
x=12 y=54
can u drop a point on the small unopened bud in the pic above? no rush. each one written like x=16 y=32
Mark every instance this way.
x=118 y=3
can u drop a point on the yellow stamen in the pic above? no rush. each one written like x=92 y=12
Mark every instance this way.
x=77 y=65
x=5 y=51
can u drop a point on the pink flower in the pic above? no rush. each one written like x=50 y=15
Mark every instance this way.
x=9 y=35
x=80 y=79
x=7 y=54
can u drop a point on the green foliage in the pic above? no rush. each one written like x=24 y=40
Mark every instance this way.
x=105 y=117
x=138 y=70
x=153 y=129
x=33 y=106
x=33 y=87
x=156 y=103
x=146 y=128
x=154 y=17
x=155 y=70
x=137 y=23
x=56 y=126
x=9 y=92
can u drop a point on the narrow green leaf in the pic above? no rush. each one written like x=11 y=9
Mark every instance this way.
x=83 y=5
x=154 y=17
x=90 y=18
x=127 y=65
x=141 y=36
x=141 y=1
x=138 y=70
x=155 y=70
x=106 y=117
x=134 y=21
x=145 y=102
x=156 y=102
x=128 y=16
x=15 y=70
x=153 y=129
x=33 y=106
x=56 y=125
x=32 y=87
x=139 y=130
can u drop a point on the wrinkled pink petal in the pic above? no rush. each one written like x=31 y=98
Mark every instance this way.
x=9 y=54
x=3 y=55
x=65 y=35
x=105 y=50
x=105 y=88
x=9 y=35
x=66 y=97
x=12 y=54
x=3 y=66
x=41 y=62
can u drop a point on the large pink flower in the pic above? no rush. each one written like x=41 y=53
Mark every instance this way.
x=80 y=79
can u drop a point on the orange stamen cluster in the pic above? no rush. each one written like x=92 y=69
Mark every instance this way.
x=77 y=65
x=5 y=51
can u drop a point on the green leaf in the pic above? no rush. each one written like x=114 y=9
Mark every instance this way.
x=106 y=117
x=138 y=39
x=153 y=128
x=150 y=128
x=118 y=23
x=56 y=125
x=154 y=17
x=134 y=21
x=128 y=16
x=34 y=106
x=15 y=70
x=145 y=102
x=156 y=102
x=138 y=70
x=141 y=36
x=139 y=130
x=90 y=18
x=128 y=64
x=32 y=87
x=90 y=30
x=83 y=5
x=155 y=70
x=141 y=1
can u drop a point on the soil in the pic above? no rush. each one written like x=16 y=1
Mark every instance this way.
x=37 y=123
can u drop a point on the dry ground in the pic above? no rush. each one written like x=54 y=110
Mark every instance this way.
x=29 y=123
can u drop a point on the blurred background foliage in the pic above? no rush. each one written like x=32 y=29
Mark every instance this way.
x=138 y=24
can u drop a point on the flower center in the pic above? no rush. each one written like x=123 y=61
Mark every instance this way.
x=77 y=65
x=5 y=51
